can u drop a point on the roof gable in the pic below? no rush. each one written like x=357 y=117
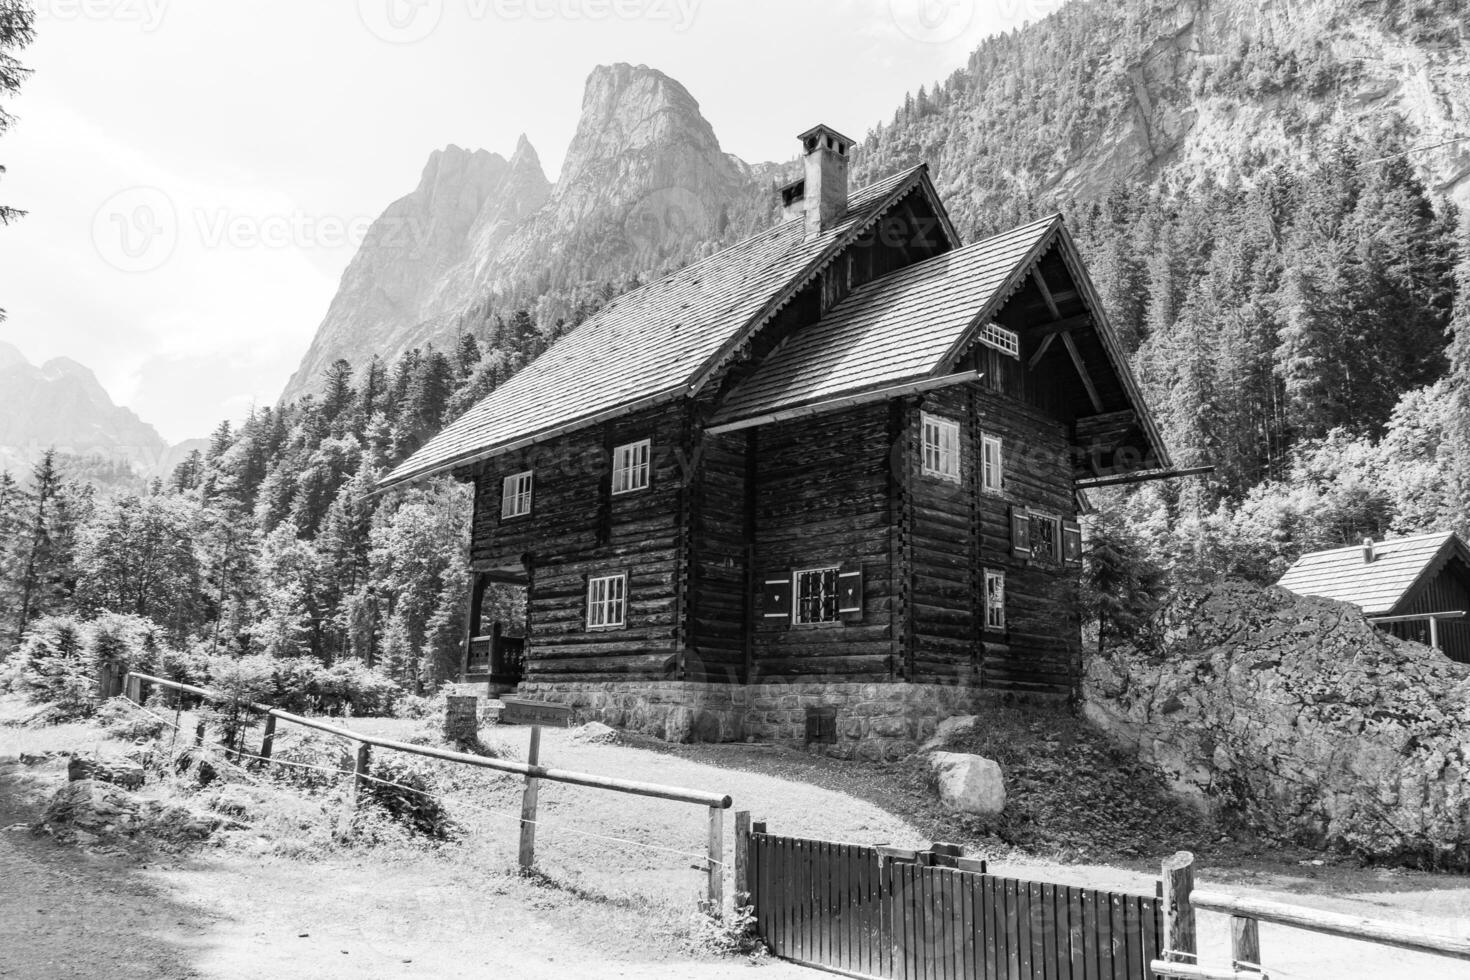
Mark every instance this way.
x=654 y=343
x=1398 y=570
x=903 y=327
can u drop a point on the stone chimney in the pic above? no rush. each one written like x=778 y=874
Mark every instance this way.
x=1367 y=551
x=823 y=191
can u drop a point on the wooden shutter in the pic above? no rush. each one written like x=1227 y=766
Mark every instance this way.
x=850 y=593
x=1071 y=542
x=777 y=598
x=1020 y=532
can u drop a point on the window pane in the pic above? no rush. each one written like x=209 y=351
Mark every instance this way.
x=816 y=596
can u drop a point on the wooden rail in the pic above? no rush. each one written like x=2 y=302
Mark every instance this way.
x=532 y=771
x=1247 y=912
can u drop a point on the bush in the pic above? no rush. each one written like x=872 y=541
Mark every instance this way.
x=406 y=795
x=414 y=706
x=123 y=719
x=733 y=935
x=242 y=680
x=319 y=760
x=306 y=687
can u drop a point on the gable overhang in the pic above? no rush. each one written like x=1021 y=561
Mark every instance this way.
x=853 y=399
x=919 y=179
x=1058 y=237
x=1453 y=548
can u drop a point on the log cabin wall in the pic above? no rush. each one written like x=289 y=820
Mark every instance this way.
x=577 y=528
x=822 y=498
x=720 y=584
x=958 y=531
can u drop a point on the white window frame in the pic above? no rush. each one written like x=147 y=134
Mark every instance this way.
x=607 y=601
x=632 y=466
x=941 y=455
x=1055 y=555
x=516 y=493
x=1006 y=341
x=992 y=463
x=836 y=601
x=995 y=606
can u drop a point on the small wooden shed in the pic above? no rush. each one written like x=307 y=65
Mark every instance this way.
x=1417 y=588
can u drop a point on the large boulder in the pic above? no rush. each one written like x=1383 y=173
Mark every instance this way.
x=1296 y=718
x=969 y=783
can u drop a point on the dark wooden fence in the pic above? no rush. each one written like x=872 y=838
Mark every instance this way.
x=887 y=913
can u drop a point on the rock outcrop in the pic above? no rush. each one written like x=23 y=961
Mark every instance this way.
x=1294 y=717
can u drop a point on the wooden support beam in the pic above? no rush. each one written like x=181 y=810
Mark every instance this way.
x=1245 y=942
x=1071 y=346
x=1056 y=325
x=1415 y=617
x=1142 y=476
x=1046 y=296
x=1041 y=351
x=742 y=859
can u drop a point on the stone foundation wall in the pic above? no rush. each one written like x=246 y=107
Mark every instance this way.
x=873 y=721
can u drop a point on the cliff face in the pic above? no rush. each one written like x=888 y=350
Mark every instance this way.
x=644 y=178
x=61 y=405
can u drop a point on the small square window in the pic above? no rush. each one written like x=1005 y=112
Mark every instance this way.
x=816 y=596
x=515 y=495
x=992 y=469
x=607 y=602
x=1046 y=538
x=1003 y=340
x=630 y=467
x=995 y=600
x=941 y=448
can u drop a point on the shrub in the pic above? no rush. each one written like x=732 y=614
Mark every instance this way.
x=415 y=706
x=242 y=680
x=319 y=760
x=405 y=794
x=123 y=719
x=722 y=935
x=351 y=688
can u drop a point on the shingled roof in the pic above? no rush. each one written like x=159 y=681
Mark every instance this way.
x=893 y=330
x=1380 y=586
x=650 y=344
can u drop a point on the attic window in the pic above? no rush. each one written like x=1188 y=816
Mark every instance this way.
x=1003 y=340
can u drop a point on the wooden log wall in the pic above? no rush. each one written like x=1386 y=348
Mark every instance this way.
x=1448 y=591
x=822 y=498
x=577 y=529
x=957 y=531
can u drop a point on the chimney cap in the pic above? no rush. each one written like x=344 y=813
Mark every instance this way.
x=810 y=139
x=1368 y=554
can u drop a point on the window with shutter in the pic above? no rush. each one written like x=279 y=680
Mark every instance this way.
x=850 y=593
x=1020 y=532
x=1071 y=542
x=814 y=596
x=777 y=598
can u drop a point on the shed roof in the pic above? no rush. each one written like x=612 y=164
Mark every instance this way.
x=900 y=328
x=651 y=343
x=1378 y=587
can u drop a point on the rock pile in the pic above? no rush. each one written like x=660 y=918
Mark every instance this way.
x=1296 y=718
x=88 y=811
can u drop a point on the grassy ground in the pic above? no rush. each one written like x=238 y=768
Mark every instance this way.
x=619 y=884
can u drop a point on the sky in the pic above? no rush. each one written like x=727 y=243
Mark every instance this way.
x=199 y=172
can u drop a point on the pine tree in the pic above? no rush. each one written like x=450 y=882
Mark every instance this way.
x=41 y=559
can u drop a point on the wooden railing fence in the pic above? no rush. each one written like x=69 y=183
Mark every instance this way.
x=1181 y=954
x=531 y=769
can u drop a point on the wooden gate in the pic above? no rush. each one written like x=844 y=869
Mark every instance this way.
x=883 y=913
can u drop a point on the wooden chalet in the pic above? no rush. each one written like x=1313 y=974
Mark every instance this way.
x=845 y=451
x=1416 y=588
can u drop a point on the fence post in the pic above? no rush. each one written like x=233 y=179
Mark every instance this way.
x=1245 y=942
x=528 y=805
x=268 y=741
x=742 y=859
x=359 y=780
x=199 y=733
x=716 y=894
x=1178 y=910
